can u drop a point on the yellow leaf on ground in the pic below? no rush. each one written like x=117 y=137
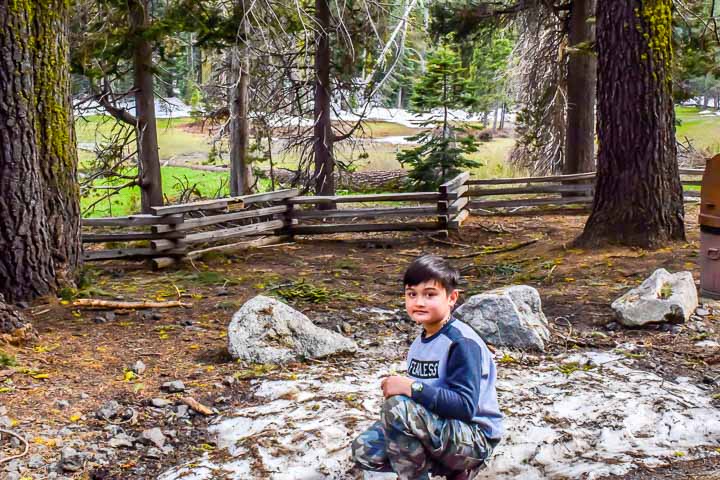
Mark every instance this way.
x=75 y=417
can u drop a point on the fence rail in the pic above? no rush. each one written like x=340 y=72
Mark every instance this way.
x=191 y=229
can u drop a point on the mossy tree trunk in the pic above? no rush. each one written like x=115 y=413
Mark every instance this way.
x=638 y=199
x=57 y=150
x=39 y=209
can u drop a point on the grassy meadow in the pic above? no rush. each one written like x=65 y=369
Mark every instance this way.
x=178 y=142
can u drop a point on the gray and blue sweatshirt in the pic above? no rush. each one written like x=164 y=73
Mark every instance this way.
x=458 y=375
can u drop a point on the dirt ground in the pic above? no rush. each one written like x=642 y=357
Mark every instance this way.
x=80 y=362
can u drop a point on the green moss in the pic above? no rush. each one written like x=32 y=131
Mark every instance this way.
x=656 y=23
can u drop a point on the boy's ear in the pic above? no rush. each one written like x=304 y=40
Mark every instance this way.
x=454 y=296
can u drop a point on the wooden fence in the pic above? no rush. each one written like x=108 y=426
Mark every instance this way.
x=558 y=190
x=191 y=229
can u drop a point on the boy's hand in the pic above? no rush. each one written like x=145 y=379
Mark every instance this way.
x=396 y=385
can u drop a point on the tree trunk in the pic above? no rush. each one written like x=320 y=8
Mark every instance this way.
x=39 y=212
x=581 y=80
x=323 y=136
x=638 y=199
x=503 y=110
x=241 y=177
x=146 y=129
x=57 y=151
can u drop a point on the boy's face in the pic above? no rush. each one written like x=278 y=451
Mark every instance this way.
x=428 y=303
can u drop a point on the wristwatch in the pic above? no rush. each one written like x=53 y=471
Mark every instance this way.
x=416 y=387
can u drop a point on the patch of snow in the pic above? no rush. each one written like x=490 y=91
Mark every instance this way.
x=603 y=418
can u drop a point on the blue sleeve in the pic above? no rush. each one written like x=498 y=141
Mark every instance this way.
x=464 y=372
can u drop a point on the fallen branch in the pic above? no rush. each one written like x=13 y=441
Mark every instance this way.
x=109 y=304
x=493 y=250
x=19 y=455
x=197 y=406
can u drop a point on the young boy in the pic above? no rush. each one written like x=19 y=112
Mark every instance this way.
x=443 y=417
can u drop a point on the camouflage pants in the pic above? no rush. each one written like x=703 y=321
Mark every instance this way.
x=412 y=441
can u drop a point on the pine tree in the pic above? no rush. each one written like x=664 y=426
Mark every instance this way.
x=441 y=153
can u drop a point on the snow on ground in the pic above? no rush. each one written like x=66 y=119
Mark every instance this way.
x=584 y=415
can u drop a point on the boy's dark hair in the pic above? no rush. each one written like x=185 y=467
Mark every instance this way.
x=432 y=267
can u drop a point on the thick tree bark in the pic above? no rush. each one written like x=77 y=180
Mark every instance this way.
x=638 y=199
x=146 y=128
x=241 y=176
x=323 y=136
x=57 y=150
x=581 y=80
x=39 y=202
x=26 y=266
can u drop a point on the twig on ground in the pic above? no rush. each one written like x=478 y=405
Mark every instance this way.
x=19 y=455
x=110 y=304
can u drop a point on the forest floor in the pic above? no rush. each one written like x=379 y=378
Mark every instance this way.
x=51 y=391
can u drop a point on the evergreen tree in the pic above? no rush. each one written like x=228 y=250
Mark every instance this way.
x=441 y=153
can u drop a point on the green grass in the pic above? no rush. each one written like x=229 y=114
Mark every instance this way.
x=128 y=200
x=702 y=130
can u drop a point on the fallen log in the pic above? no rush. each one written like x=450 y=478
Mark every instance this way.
x=197 y=406
x=110 y=304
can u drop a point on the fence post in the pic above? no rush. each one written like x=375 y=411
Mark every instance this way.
x=453 y=202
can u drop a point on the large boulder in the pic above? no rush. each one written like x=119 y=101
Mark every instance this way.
x=507 y=317
x=266 y=330
x=663 y=297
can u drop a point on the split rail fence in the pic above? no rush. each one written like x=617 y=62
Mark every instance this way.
x=192 y=229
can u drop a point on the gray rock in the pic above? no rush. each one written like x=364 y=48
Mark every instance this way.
x=662 y=297
x=138 y=367
x=507 y=317
x=99 y=319
x=13 y=476
x=122 y=440
x=35 y=461
x=62 y=404
x=110 y=316
x=153 y=453
x=71 y=460
x=109 y=410
x=160 y=402
x=182 y=411
x=266 y=330
x=153 y=436
x=703 y=312
x=176 y=386
x=5 y=422
x=229 y=380
x=84 y=396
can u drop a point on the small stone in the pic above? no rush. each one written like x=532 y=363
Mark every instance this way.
x=71 y=460
x=110 y=316
x=154 y=436
x=36 y=461
x=156 y=316
x=108 y=410
x=175 y=386
x=186 y=323
x=183 y=411
x=160 y=402
x=153 y=453
x=222 y=293
x=229 y=380
x=220 y=400
x=84 y=396
x=13 y=476
x=99 y=319
x=612 y=326
x=138 y=367
x=62 y=404
x=121 y=440
x=708 y=380
x=5 y=422
x=347 y=328
x=703 y=312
